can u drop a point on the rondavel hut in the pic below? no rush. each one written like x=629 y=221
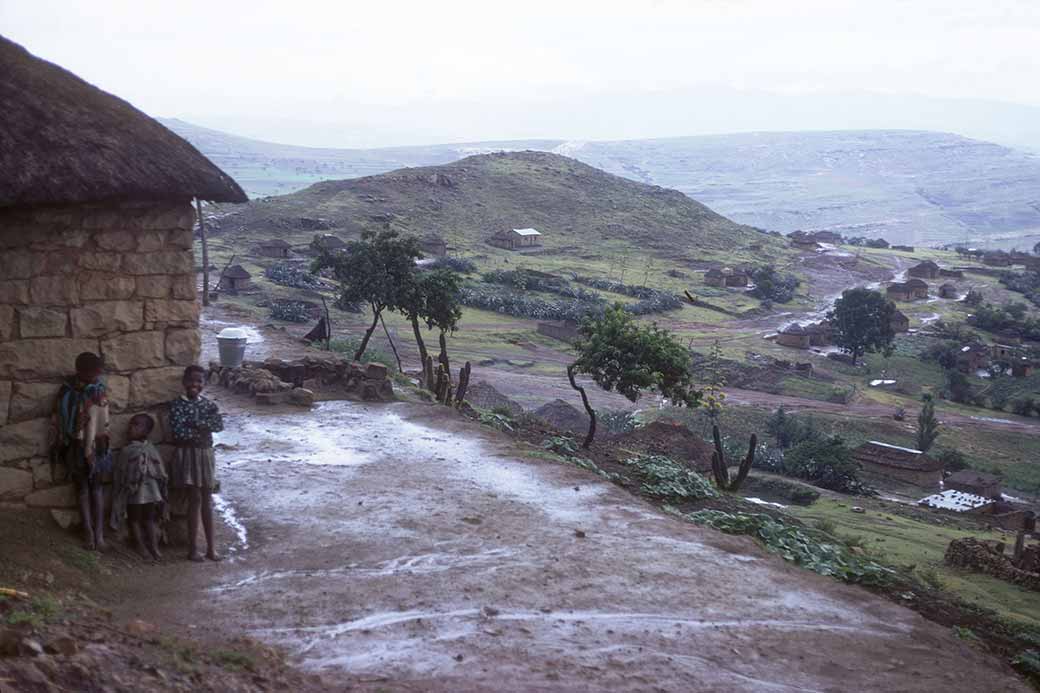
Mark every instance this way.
x=95 y=255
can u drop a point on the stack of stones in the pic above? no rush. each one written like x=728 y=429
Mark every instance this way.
x=115 y=279
x=277 y=381
x=972 y=554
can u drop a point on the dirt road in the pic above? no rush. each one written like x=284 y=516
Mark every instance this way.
x=398 y=546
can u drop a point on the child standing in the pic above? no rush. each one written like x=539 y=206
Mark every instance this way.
x=194 y=419
x=82 y=421
x=139 y=487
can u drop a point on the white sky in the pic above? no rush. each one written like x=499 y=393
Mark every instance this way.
x=268 y=65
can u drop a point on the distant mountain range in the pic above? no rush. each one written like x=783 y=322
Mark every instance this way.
x=908 y=186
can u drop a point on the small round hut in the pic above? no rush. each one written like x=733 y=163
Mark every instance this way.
x=95 y=255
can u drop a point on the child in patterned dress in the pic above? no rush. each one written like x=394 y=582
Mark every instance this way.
x=193 y=420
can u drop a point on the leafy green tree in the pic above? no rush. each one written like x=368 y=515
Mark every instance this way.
x=927 y=425
x=714 y=397
x=773 y=286
x=625 y=357
x=862 y=322
x=958 y=388
x=827 y=463
x=378 y=270
x=434 y=299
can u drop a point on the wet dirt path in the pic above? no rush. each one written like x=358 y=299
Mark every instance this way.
x=397 y=546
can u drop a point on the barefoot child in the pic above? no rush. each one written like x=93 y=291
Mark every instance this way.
x=194 y=419
x=82 y=421
x=139 y=487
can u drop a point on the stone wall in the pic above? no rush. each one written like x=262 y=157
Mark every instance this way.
x=115 y=279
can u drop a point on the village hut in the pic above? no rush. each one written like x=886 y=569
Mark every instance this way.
x=563 y=330
x=900 y=322
x=327 y=243
x=951 y=273
x=516 y=239
x=895 y=463
x=803 y=241
x=996 y=260
x=275 y=247
x=904 y=248
x=918 y=289
x=433 y=245
x=794 y=335
x=1023 y=368
x=820 y=333
x=236 y=278
x=948 y=290
x=715 y=277
x=96 y=256
x=898 y=292
x=977 y=483
x=924 y=270
x=972 y=357
x=1004 y=353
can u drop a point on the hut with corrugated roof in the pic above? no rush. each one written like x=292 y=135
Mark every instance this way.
x=96 y=256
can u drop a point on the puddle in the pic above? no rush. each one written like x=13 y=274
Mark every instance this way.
x=759 y=501
x=423 y=564
x=227 y=513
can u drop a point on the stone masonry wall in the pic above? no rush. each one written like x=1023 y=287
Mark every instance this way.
x=115 y=279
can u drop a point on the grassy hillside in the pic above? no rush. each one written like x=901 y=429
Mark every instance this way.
x=578 y=208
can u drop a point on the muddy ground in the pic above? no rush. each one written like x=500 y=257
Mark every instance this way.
x=400 y=547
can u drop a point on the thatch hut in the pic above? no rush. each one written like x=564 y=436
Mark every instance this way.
x=275 y=247
x=948 y=290
x=236 y=278
x=95 y=255
x=924 y=270
x=895 y=463
x=794 y=335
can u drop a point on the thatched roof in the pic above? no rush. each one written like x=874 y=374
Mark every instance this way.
x=64 y=141
x=895 y=456
x=237 y=272
x=794 y=328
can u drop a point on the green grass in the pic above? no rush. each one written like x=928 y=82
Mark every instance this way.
x=903 y=542
x=40 y=609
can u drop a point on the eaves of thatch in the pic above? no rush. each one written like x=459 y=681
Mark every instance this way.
x=64 y=141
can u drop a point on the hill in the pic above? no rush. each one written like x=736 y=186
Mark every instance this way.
x=916 y=186
x=575 y=206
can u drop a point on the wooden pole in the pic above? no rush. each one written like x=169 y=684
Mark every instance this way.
x=205 y=253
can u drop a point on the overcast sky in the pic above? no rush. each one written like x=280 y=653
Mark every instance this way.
x=393 y=72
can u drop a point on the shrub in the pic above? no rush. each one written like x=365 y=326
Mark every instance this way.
x=952 y=460
x=457 y=264
x=664 y=478
x=619 y=421
x=288 y=274
x=800 y=546
x=291 y=311
x=998 y=398
x=773 y=286
x=1023 y=406
x=826 y=463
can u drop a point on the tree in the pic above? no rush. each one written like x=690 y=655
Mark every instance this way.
x=714 y=397
x=771 y=285
x=433 y=298
x=378 y=270
x=827 y=463
x=927 y=425
x=862 y=323
x=624 y=357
